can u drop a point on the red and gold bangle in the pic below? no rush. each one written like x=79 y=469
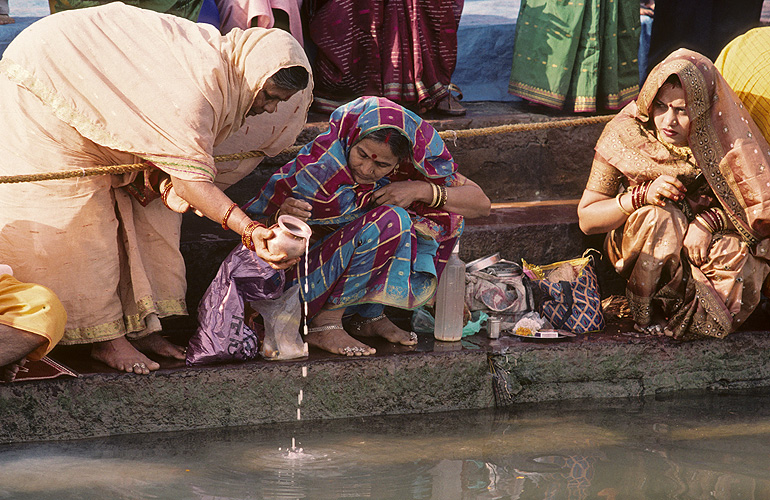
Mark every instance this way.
x=227 y=215
x=246 y=238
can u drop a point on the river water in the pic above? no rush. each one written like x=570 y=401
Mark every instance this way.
x=695 y=447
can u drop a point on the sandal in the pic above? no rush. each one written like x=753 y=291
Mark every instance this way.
x=450 y=105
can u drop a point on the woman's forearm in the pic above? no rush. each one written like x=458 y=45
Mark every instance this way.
x=468 y=200
x=209 y=200
x=599 y=213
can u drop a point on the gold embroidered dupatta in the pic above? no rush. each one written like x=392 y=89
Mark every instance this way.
x=727 y=145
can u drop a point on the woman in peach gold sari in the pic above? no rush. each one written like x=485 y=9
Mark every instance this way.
x=680 y=183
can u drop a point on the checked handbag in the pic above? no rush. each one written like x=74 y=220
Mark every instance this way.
x=569 y=294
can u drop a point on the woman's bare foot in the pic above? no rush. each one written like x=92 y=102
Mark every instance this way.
x=9 y=371
x=337 y=341
x=381 y=326
x=155 y=343
x=121 y=355
x=6 y=19
x=325 y=332
x=652 y=329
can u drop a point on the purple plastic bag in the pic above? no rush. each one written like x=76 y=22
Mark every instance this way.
x=222 y=333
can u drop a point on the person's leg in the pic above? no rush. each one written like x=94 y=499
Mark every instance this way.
x=4 y=11
x=370 y=321
x=15 y=345
x=325 y=332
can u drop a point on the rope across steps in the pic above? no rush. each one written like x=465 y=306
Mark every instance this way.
x=447 y=135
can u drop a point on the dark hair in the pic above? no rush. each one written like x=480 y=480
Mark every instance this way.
x=293 y=78
x=399 y=144
x=674 y=81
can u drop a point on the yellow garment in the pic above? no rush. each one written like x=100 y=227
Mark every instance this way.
x=79 y=89
x=745 y=65
x=32 y=308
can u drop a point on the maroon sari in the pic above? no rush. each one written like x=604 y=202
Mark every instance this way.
x=404 y=50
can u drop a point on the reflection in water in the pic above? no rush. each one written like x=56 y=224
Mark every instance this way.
x=684 y=448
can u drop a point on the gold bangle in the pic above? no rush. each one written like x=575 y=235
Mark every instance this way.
x=436 y=195
x=620 y=205
x=442 y=197
x=246 y=237
x=227 y=215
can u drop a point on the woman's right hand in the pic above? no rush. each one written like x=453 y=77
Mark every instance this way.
x=665 y=186
x=697 y=242
x=298 y=208
x=259 y=237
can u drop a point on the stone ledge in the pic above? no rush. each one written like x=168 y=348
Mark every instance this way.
x=432 y=378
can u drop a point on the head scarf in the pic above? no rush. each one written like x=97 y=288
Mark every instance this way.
x=726 y=144
x=155 y=85
x=321 y=176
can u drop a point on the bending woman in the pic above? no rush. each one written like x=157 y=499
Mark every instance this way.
x=79 y=90
x=679 y=181
x=386 y=204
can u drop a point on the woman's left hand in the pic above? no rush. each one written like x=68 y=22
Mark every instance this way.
x=403 y=193
x=697 y=242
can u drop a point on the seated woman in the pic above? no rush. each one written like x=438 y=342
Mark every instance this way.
x=679 y=181
x=386 y=204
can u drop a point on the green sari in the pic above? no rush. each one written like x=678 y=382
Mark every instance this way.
x=188 y=9
x=577 y=55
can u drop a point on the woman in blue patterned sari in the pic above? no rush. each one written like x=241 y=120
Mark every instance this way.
x=386 y=204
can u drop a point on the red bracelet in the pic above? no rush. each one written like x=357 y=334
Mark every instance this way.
x=227 y=215
x=246 y=238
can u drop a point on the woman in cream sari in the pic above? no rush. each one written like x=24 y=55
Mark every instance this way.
x=116 y=85
x=680 y=181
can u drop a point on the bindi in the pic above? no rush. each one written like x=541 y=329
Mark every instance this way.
x=374 y=156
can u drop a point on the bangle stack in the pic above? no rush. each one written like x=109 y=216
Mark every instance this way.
x=620 y=205
x=227 y=215
x=639 y=195
x=714 y=219
x=246 y=238
x=439 y=195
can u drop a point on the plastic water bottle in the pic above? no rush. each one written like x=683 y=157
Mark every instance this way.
x=450 y=299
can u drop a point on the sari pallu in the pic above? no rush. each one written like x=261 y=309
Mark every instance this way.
x=403 y=50
x=366 y=254
x=115 y=264
x=731 y=156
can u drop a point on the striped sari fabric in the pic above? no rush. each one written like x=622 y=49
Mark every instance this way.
x=364 y=254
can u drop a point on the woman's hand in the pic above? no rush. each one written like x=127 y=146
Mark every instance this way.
x=260 y=237
x=403 y=193
x=665 y=187
x=298 y=208
x=697 y=242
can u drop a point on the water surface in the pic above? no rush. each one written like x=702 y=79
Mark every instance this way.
x=684 y=448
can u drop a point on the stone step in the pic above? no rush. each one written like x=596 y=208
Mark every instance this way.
x=539 y=232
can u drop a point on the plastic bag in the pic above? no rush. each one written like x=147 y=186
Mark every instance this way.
x=222 y=333
x=282 y=320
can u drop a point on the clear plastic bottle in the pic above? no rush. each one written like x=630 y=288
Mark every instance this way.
x=450 y=299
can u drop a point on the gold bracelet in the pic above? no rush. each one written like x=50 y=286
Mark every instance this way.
x=436 y=195
x=227 y=215
x=620 y=205
x=443 y=198
x=246 y=237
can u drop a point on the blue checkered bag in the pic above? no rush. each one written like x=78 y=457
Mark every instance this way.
x=575 y=305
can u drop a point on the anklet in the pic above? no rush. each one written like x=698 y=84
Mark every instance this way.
x=358 y=324
x=324 y=328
